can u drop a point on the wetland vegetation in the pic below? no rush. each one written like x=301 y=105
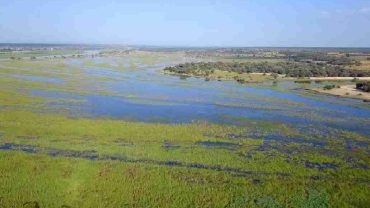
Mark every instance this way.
x=288 y=69
x=113 y=130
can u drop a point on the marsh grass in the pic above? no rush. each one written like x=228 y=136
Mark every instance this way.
x=80 y=181
x=165 y=165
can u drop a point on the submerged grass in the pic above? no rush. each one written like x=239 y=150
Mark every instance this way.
x=78 y=181
x=57 y=182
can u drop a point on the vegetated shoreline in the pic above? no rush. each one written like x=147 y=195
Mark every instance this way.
x=281 y=76
x=347 y=91
x=290 y=69
x=211 y=71
x=249 y=72
x=339 y=78
x=254 y=76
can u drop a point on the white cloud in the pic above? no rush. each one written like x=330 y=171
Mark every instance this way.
x=365 y=10
x=325 y=13
x=353 y=12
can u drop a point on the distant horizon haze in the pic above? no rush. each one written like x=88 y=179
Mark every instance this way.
x=207 y=23
x=20 y=44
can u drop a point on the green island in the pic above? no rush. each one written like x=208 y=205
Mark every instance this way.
x=303 y=67
x=278 y=69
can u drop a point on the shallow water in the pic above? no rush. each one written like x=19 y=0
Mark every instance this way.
x=146 y=94
x=48 y=80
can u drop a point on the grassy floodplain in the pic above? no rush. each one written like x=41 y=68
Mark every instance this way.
x=53 y=158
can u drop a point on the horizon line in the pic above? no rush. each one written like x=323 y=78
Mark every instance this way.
x=173 y=46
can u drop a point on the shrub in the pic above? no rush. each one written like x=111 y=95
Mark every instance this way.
x=364 y=86
x=329 y=86
x=304 y=81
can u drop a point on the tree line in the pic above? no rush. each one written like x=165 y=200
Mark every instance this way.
x=290 y=69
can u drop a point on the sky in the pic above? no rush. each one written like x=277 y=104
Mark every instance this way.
x=291 y=23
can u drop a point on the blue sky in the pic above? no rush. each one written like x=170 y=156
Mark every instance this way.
x=188 y=23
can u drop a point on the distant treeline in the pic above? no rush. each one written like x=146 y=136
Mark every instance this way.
x=323 y=57
x=290 y=69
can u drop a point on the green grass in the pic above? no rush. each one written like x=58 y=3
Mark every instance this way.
x=54 y=182
x=274 y=172
x=78 y=182
x=39 y=53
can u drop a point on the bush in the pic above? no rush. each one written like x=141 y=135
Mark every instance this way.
x=364 y=86
x=329 y=86
x=275 y=75
x=303 y=81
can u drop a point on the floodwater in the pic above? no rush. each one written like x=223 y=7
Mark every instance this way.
x=146 y=94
